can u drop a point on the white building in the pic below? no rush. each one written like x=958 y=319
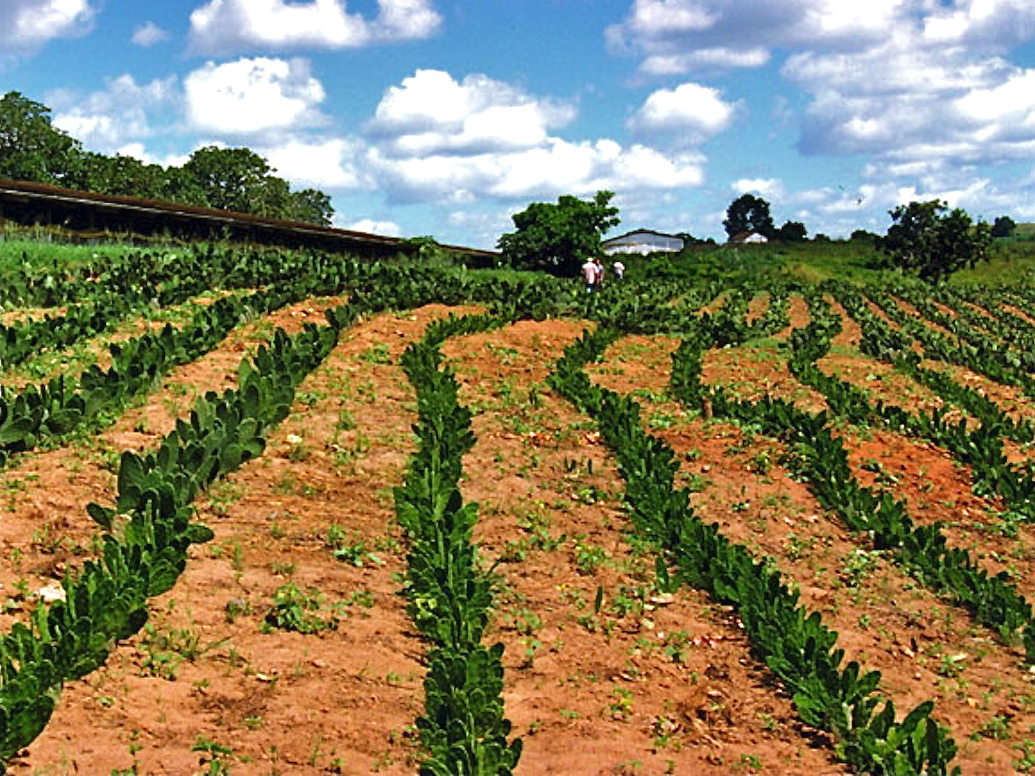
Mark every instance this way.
x=643 y=241
x=749 y=237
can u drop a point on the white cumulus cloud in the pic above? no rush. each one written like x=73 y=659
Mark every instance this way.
x=224 y=26
x=767 y=188
x=436 y=138
x=148 y=34
x=253 y=96
x=372 y=226
x=903 y=81
x=677 y=36
x=28 y=24
x=691 y=113
x=123 y=113
x=906 y=103
x=319 y=163
x=431 y=112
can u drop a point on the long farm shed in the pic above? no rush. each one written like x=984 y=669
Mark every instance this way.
x=88 y=212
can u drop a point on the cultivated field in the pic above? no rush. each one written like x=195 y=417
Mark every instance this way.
x=672 y=506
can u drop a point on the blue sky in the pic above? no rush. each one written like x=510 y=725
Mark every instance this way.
x=444 y=117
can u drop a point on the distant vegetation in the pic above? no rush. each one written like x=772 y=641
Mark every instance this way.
x=238 y=179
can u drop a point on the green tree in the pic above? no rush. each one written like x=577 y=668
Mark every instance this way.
x=310 y=206
x=240 y=180
x=1003 y=226
x=748 y=213
x=232 y=178
x=558 y=238
x=932 y=242
x=31 y=148
x=792 y=231
x=117 y=175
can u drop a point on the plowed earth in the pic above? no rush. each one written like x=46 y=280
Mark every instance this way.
x=604 y=673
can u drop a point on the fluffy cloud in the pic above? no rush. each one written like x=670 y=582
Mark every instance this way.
x=253 y=96
x=432 y=113
x=768 y=188
x=372 y=226
x=433 y=137
x=111 y=120
x=148 y=34
x=902 y=103
x=904 y=81
x=27 y=24
x=322 y=163
x=555 y=168
x=676 y=36
x=690 y=114
x=223 y=26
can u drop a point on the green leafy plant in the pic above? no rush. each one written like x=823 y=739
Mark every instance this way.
x=296 y=610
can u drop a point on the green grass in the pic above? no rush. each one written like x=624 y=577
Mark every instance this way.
x=813 y=262
x=1013 y=260
x=20 y=252
x=803 y=262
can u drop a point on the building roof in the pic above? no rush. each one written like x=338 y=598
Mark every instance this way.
x=45 y=203
x=644 y=232
x=748 y=236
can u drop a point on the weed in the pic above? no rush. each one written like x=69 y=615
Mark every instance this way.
x=951 y=666
x=347 y=547
x=237 y=607
x=223 y=494
x=297 y=610
x=214 y=755
x=1026 y=762
x=166 y=650
x=858 y=565
x=677 y=644
x=996 y=728
x=376 y=354
x=286 y=485
x=748 y=763
x=589 y=558
x=363 y=598
x=661 y=420
x=298 y=450
x=621 y=706
x=664 y=729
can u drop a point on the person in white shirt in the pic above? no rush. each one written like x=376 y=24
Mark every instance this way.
x=619 y=269
x=589 y=275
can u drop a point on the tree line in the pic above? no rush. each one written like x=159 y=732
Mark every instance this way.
x=925 y=239
x=238 y=179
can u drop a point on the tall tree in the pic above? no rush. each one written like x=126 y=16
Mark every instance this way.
x=311 y=206
x=118 y=175
x=932 y=242
x=558 y=238
x=239 y=179
x=748 y=213
x=1004 y=226
x=232 y=178
x=31 y=148
x=792 y=231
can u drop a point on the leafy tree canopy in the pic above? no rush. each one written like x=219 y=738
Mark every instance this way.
x=932 y=242
x=558 y=238
x=31 y=148
x=1003 y=226
x=792 y=231
x=234 y=179
x=863 y=235
x=748 y=213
